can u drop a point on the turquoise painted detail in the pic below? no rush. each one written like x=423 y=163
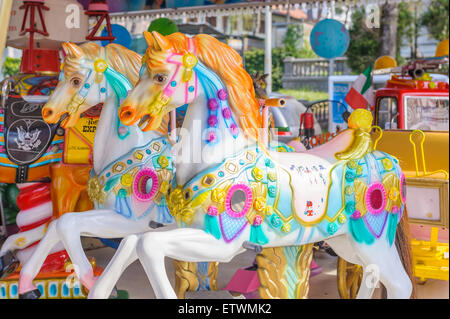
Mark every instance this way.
x=392 y=227
x=212 y=226
x=360 y=232
x=257 y=235
x=110 y=183
x=290 y=273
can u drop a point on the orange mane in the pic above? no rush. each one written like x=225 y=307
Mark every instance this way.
x=227 y=64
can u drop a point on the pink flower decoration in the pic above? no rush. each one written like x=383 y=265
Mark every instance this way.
x=395 y=209
x=258 y=220
x=212 y=210
x=226 y=113
x=211 y=136
x=356 y=215
x=212 y=120
x=222 y=94
x=212 y=104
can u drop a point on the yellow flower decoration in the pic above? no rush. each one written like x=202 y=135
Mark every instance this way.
x=218 y=195
x=163 y=161
x=342 y=219
x=126 y=179
x=100 y=65
x=259 y=204
x=179 y=208
x=393 y=193
x=387 y=164
x=257 y=173
x=95 y=190
x=286 y=228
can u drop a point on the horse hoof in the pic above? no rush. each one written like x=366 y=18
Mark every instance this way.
x=8 y=264
x=32 y=294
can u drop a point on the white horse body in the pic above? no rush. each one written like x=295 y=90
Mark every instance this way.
x=310 y=201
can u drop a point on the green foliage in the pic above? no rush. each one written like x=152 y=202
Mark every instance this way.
x=306 y=52
x=364 y=44
x=407 y=27
x=254 y=62
x=293 y=39
x=11 y=66
x=436 y=19
x=305 y=94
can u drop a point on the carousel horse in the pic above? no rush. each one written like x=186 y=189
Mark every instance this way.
x=131 y=169
x=239 y=194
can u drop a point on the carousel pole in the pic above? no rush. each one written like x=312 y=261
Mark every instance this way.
x=5 y=13
x=275 y=265
x=268 y=48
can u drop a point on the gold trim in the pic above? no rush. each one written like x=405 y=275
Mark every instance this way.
x=442 y=185
x=422 y=153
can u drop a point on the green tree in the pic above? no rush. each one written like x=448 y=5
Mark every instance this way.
x=11 y=66
x=436 y=20
x=293 y=39
x=364 y=43
x=254 y=62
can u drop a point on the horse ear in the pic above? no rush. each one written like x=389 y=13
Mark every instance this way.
x=71 y=49
x=160 y=41
x=149 y=39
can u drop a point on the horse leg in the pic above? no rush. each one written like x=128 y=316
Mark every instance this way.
x=23 y=239
x=382 y=262
x=94 y=223
x=32 y=267
x=343 y=247
x=187 y=244
x=124 y=256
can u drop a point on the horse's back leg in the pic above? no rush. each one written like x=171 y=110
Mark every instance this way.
x=188 y=244
x=382 y=262
x=33 y=265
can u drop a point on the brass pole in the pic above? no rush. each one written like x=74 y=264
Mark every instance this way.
x=5 y=12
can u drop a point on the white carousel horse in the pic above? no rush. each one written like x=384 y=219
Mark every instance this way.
x=131 y=168
x=241 y=194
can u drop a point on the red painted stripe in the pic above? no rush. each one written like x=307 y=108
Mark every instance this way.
x=34 y=225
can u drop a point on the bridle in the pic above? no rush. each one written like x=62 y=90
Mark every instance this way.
x=96 y=72
x=194 y=71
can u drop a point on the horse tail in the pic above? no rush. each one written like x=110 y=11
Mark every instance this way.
x=403 y=244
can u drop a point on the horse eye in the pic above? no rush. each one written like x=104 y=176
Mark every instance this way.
x=160 y=78
x=76 y=82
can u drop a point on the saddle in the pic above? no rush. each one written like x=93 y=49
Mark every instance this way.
x=27 y=137
x=335 y=145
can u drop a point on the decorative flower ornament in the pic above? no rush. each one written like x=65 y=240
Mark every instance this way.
x=189 y=62
x=100 y=65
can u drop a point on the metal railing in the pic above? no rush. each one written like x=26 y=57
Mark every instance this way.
x=312 y=73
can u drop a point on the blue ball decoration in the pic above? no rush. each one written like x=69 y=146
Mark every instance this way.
x=122 y=35
x=329 y=39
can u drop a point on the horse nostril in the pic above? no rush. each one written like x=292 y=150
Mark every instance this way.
x=127 y=113
x=46 y=112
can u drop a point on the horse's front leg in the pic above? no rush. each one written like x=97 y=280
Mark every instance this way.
x=124 y=256
x=95 y=223
x=186 y=244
